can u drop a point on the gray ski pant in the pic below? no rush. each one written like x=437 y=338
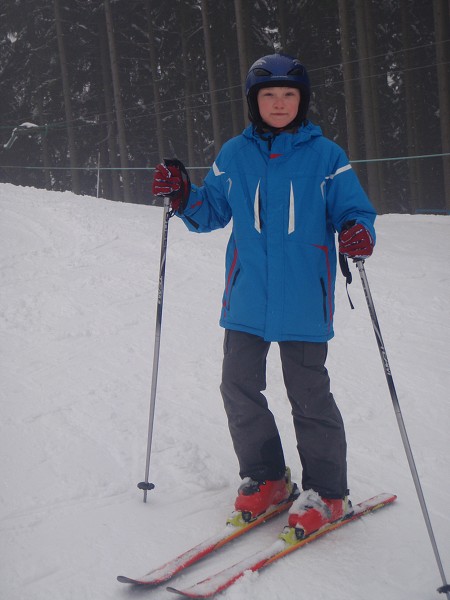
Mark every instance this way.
x=318 y=423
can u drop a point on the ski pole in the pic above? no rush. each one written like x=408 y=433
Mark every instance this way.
x=145 y=485
x=445 y=588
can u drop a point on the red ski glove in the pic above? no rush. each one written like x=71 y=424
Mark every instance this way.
x=171 y=179
x=355 y=240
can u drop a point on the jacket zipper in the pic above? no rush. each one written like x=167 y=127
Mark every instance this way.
x=324 y=299
x=232 y=287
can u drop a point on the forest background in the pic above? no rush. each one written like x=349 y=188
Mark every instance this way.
x=96 y=92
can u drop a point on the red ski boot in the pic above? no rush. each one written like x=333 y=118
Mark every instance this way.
x=310 y=512
x=257 y=497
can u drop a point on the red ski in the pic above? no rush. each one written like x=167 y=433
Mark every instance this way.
x=285 y=544
x=234 y=529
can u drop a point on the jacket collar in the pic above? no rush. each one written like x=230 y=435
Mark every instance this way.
x=283 y=140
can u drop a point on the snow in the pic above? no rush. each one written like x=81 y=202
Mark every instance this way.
x=78 y=287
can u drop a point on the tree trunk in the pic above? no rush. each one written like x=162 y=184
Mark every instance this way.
x=118 y=102
x=349 y=84
x=187 y=86
x=155 y=84
x=242 y=49
x=411 y=122
x=367 y=105
x=282 y=24
x=44 y=143
x=375 y=84
x=442 y=32
x=210 y=67
x=236 y=116
x=67 y=100
x=109 y=111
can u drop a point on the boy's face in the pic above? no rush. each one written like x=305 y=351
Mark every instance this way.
x=278 y=106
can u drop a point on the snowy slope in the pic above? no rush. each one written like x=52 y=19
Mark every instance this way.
x=78 y=284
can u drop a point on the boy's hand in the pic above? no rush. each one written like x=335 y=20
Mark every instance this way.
x=171 y=179
x=355 y=241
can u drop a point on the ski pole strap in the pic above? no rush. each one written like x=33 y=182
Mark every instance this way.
x=345 y=269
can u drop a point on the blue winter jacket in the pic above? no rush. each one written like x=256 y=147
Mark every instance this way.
x=287 y=196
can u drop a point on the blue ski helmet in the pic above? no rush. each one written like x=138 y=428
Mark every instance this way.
x=277 y=70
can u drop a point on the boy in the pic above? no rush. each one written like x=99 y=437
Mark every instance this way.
x=288 y=190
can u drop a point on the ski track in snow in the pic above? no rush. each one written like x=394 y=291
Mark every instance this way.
x=78 y=287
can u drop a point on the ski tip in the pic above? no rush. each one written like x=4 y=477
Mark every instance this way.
x=392 y=498
x=187 y=594
x=124 y=579
x=179 y=592
x=385 y=498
